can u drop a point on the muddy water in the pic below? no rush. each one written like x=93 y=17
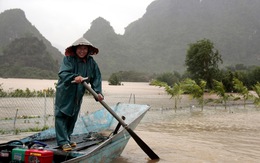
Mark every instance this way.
x=215 y=135
x=198 y=137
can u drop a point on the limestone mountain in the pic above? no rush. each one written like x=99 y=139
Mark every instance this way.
x=24 y=52
x=158 y=41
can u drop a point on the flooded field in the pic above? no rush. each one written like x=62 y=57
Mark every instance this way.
x=211 y=136
x=187 y=135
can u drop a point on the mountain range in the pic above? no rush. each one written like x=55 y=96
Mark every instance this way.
x=159 y=40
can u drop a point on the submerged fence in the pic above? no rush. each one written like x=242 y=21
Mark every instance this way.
x=21 y=114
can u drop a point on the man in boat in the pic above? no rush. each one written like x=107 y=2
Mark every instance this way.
x=77 y=64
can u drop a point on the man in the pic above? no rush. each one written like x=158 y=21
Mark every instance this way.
x=77 y=64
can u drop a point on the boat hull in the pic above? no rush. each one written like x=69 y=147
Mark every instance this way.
x=113 y=147
x=96 y=150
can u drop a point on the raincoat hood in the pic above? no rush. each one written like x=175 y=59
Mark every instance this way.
x=71 y=50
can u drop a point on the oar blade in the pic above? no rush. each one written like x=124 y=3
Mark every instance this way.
x=142 y=144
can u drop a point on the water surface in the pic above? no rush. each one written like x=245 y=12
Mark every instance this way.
x=214 y=135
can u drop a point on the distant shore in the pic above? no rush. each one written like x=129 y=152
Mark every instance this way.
x=145 y=93
x=40 y=84
x=141 y=90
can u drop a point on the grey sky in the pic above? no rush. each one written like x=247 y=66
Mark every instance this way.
x=64 y=21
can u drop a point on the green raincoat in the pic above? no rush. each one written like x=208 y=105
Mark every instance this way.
x=69 y=95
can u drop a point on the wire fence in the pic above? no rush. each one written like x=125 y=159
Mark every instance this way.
x=37 y=113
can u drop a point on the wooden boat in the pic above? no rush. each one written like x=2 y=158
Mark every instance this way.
x=98 y=135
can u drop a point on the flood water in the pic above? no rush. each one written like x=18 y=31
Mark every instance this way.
x=214 y=135
x=211 y=136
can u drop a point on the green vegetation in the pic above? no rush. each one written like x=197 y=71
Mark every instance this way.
x=34 y=129
x=169 y=78
x=220 y=90
x=152 y=44
x=256 y=88
x=114 y=79
x=242 y=90
x=27 y=93
x=202 y=61
x=127 y=76
x=195 y=90
x=176 y=92
x=27 y=57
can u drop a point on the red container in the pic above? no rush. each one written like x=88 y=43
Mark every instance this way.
x=38 y=156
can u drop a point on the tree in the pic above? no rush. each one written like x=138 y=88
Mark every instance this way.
x=169 y=78
x=220 y=90
x=256 y=88
x=242 y=90
x=202 y=61
x=226 y=78
x=175 y=91
x=254 y=76
x=114 y=80
x=195 y=90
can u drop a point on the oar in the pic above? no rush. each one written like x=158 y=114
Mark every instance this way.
x=138 y=140
x=118 y=126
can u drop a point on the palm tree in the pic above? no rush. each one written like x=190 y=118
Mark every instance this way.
x=256 y=88
x=195 y=90
x=220 y=90
x=175 y=92
x=242 y=90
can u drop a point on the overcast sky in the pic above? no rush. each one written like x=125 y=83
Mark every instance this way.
x=64 y=21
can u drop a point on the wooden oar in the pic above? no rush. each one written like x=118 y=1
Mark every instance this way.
x=137 y=139
x=118 y=126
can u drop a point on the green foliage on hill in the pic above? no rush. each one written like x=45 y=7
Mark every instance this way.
x=24 y=52
x=158 y=41
x=27 y=58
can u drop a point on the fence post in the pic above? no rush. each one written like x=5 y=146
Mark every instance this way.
x=45 y=105
x=15 y=121
x=130 y=98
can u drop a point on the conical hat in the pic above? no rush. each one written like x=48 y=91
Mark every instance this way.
x=70 y=51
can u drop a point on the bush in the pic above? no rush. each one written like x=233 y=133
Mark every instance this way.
x=114 y=80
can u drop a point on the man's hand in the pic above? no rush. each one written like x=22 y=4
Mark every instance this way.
x=100 y=97
x=78 y=79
